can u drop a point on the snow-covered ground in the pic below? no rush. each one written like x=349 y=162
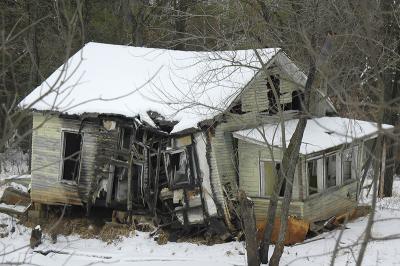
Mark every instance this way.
x=140 y=249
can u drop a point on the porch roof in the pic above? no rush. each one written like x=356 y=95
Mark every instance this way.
x=320 y=134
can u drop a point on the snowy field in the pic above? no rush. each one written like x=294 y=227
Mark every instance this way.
x=140 y=249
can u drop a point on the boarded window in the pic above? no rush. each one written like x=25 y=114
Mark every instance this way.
x=312 y=171
x=72 y=146
x=268 y=178
x=330 y=170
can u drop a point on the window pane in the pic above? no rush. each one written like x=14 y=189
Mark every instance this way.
x=330 y=170
x=312 y=177
x=347 y=158
x=270 y=178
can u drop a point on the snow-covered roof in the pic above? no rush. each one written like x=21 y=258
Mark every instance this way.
x=320 y=133
x=126 y=80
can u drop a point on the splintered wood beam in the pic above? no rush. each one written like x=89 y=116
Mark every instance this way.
x=110 y=184
x=125 y=164
x=156 y=181
x=129 y=196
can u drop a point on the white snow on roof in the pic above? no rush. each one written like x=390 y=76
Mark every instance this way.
x=320 y=133
x=126 y=80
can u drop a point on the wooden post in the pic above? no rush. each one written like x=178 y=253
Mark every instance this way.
x=110 y=185
x=381 y=192
x=129 y=196
x=157 y=178
x=250 y=230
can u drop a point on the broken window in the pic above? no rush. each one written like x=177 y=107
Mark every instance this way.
x=312 y=172
x=72 y=147
x=178 y=167
x=330 y=170
x=297 y=100
x=348 y=164
x=137 y=180
x=269 y=177
x=125 y=137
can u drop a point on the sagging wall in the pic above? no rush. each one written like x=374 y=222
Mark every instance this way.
x=47 y=186
x=250 y=156
x=193 y=201
x=261 y=209
x=333 y=201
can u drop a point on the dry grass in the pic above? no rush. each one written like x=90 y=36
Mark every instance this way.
x=83 y=227
x=112 y=232
x=162 y=237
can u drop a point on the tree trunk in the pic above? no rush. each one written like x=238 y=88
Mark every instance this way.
x=273 y=204
x=181 y=7
x=32 y=11
x=289 y=162
x=250 y=230
x=391 y=79
x=289 y=165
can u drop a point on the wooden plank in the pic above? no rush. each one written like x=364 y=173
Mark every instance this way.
x=156 y=181
x=129 y=196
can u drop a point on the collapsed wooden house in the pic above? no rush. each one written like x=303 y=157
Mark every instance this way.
x=163 y=133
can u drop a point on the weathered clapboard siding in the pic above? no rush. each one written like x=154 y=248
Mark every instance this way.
x=46 y=155
x=47 y=186
x=261 y=208
x=255 y=97
x=333 y=201
x=222 y=155
x=249 y=168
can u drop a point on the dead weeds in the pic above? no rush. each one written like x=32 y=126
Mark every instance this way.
x=84 y=227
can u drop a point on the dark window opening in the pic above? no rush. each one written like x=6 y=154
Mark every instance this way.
x=72 y=147
x=272 y=101
x=282 y=190
x=297 y=100
x=312 y=177
x=137 y=181
x=126 y=134
x=237 y=109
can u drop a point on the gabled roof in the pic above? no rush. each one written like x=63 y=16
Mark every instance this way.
x=129 y=81
x=320 y=133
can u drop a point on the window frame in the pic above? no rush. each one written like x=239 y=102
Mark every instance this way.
x=353 y=164
x=261 y=178
x=338 y=180
x=319 y=189
x=62 y=151
x=189 y=157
